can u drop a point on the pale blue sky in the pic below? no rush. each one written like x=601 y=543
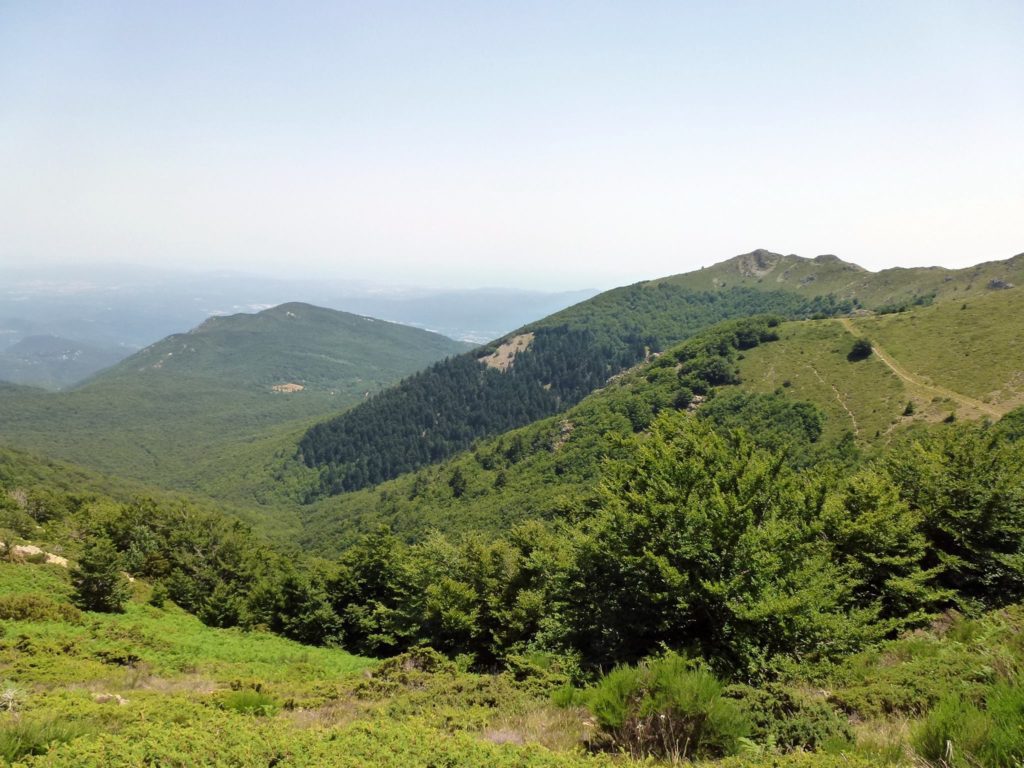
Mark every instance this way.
x=540 y=144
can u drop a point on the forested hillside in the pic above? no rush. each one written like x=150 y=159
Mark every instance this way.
x=798 y=391
x=438 y=412
x=207 y=411
x=552 y=364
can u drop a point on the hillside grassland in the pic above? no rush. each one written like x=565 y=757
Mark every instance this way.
x=947 y=348
x=823 y=275
x=974 y=346
x=809 y=362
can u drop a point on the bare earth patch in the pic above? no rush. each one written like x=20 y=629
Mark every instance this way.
x=289 y=387
x=504 y=356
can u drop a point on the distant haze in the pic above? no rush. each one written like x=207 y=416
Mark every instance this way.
x=526 y=144
x=130 y=307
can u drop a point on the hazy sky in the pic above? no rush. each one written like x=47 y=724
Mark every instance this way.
x=540 y=144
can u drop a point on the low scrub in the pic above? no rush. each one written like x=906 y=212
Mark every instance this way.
x=21 y=737
x=959 y=733
x=787 y=720
x=666 y=708
x=250 y=702
x=33 y=607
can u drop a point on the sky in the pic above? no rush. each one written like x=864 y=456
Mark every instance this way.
x=528 y=144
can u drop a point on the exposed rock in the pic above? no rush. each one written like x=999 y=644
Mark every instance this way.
x=109 y=698
x=504 y=356
x=22 y=552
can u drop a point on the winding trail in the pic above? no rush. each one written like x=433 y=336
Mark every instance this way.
x=907 y=376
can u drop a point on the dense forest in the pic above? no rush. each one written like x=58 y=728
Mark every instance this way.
x=442 y=410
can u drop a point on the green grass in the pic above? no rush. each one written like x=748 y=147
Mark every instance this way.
x=977 y=350
x=809 y=362
x=160 y=641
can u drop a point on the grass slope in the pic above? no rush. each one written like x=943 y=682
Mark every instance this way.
x=948 y=360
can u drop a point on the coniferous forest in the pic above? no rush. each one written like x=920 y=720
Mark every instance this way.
x=433 y=414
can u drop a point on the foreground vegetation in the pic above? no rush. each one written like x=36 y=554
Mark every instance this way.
x=718 y=603
x=153 y=685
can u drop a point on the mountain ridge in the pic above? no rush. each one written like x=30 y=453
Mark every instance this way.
x=434 y=414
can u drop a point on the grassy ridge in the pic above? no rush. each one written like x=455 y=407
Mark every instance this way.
x=900 y=286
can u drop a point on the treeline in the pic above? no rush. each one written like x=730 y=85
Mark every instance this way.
x=699 y=541
x=442 y=410
x=711 y=546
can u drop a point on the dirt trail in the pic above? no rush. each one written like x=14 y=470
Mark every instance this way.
x=839 y=397
x=907 y=376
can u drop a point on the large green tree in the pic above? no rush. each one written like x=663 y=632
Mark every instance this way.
x=98 y=579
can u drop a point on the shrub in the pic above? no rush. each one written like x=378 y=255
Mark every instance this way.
x=957 y=732
x=158 y=596
x=33 y=607
x=250 y=702
x=861 y=350
x=666 y=708
x=791 y=722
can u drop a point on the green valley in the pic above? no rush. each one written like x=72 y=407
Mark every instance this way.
x=755 y=528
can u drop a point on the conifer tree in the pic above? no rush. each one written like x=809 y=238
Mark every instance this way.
x=100 y=584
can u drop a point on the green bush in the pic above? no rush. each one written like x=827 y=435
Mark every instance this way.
x=861 y=350
x=961 y=734
x=789 y=721
x=666 y=708
x=250 y=702
x=33 y=607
